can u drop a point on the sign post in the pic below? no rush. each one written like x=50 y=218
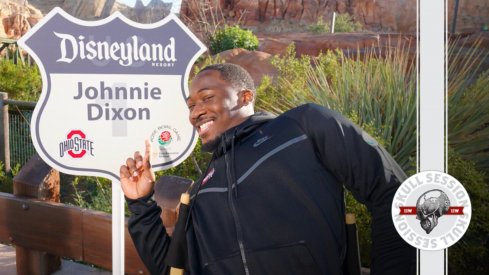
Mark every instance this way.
x=108 y=86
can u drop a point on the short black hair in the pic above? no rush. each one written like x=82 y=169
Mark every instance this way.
x=236 y=75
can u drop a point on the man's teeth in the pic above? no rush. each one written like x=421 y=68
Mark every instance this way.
x=206 y=125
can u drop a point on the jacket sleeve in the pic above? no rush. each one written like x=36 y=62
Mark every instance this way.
x=372 y=176
x=148 y=233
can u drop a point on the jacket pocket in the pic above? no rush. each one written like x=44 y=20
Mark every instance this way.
x=293 y=259
x=227 y=266
x=287 y=259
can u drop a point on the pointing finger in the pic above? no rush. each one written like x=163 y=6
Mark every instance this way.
x=147 y=153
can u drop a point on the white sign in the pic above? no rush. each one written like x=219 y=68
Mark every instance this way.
x=108 y=86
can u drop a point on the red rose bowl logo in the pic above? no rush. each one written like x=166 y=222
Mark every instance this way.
x=76 y=145
x=164 y=138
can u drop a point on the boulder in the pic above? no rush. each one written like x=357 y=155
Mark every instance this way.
x=257 y=63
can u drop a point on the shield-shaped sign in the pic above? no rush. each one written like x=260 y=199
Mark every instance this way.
x=110 y=85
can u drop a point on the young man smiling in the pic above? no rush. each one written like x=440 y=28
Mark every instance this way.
x=271 y=200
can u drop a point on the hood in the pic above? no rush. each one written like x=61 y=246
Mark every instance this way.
x=238 y=132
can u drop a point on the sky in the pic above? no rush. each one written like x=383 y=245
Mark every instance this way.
x=175 y=7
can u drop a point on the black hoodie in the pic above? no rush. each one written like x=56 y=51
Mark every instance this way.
x=271 y=200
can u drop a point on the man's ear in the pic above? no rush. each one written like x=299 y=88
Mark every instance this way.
x=247 y=97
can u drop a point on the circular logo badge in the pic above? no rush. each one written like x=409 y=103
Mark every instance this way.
x=431 y=210
x=165 y=138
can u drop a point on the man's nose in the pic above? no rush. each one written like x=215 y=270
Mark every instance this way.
x=197 y=111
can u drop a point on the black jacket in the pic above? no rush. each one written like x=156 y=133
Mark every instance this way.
x=271 y=201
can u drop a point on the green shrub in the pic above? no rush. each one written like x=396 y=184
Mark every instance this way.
x=6 y=180
x=203 y=62
x=470 y=254
x=93 y=193
x=21 y=82
x=319 y=27
x=468 y=98
x=232 y=38
x=343 y=23
x=290 y=85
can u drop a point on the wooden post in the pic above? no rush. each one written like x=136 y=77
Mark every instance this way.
x=352 y=264
x=333 y=19
x=4 y=133
x=36 y=180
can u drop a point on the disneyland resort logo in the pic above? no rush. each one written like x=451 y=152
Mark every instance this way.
x=125 y=53
x=76 y=145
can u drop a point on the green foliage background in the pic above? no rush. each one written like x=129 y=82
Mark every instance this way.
x=21 y=82
x=344 y=22
x=232 y=37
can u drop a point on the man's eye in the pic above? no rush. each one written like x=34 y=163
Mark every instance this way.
x=190 y=107
x=207 y=98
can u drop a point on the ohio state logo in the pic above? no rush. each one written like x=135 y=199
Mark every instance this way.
x=165 y=138
x=76 y=145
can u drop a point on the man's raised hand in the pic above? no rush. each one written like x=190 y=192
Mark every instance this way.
x=137 y=177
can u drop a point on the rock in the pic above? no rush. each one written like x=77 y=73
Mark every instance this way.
x=45 y=6
x=313 y=44
x=16 y=18
x=255 y=62
x=84 y=9
x=155 y=11
x=2 y=29
x=472 y=15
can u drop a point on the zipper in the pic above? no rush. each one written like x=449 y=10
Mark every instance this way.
x=193 y=198
x=234 y=212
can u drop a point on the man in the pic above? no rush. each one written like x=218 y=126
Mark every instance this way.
x=271 y=200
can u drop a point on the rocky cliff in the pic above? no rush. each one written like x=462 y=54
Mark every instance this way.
x=94 y=9
x=18 y=16
x=375 y=15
